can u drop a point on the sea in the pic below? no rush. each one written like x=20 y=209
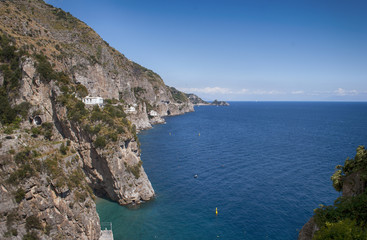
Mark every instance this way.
x=264 y=166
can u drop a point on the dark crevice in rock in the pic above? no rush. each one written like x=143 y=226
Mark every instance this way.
x=60 y=193
x=103 y=189
x=127 y=143
x=55 y=118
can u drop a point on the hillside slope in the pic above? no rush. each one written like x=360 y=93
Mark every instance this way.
x=56 y=153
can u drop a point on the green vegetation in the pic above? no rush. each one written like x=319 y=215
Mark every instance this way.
x=100 y=142
x=44 y=68
x=72 y=180
x=178 y=96
x=358 y=164
x=107 y=123
x=76 y=110
x=64 y=20
x=149 y=74
x=19 y=195
x=342 y=230
x=28 y=166
x=10 y=219
x=33 y=222
x=31 y=236
x=11 y=232
x=45 y=129
x=81 y=90
x=35 y=131
x=347 y=218
x=135 y=169
x=63 y=149
x=10 y=58
x=139 y=91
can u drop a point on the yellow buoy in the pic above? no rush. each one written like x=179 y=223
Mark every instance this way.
x=199 y=134
x=216 y=211
x=170 y=134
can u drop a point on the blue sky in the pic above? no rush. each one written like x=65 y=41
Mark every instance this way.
x=303 y=50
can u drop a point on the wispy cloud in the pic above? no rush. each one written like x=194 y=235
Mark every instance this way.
x=220 y=90
x=209 y=90
x=244 y=90
x=266 y=92
x=343 y=92
x=339 y=93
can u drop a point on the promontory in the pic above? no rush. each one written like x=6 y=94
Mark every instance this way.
x=71 y=106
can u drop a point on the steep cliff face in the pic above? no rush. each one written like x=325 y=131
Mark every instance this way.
x=44 y=193
x=308 y=230
x=77 y=50
x=56 y=152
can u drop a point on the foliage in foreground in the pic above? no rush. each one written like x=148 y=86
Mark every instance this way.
x=342 y=230
x=347 y=218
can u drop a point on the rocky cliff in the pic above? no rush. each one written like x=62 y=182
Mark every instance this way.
x=346 y=218
x=219 y=103
x=194 y=99
x=57 y=153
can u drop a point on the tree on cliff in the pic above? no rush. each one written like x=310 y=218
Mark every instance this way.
x=347 y=218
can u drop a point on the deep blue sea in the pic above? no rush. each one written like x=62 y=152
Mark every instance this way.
x=264 y=165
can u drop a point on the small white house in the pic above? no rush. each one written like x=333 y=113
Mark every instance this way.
x=130 y=110
x=93 y=100
x=153 y=113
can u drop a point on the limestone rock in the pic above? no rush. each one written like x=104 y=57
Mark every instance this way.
x=308 y=230
x=66 y=210
x=194 y=99
x=353 y=185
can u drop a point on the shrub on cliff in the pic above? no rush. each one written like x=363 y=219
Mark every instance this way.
x=10 y=69
x=19 y=195
x=358 y=164
x=31 y=236
x=342 y=230
x=76 y=110
x=81 y=90
x=134 y=169
x=33 y=222
x=63 y=149
x=44 y=68
x=347 y=218
x=100 y=142
x=177 y=95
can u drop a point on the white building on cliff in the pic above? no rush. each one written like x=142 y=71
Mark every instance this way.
x=130 y=109
x=93 y=100
x=153 y=113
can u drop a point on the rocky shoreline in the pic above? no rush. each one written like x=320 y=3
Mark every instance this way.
x=57 y=152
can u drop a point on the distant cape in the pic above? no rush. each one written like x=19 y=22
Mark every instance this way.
x=194 y=99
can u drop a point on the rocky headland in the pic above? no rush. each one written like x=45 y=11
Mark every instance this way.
x=194 y=99
x=197 y=101
x=219 y=103
x=58 y=153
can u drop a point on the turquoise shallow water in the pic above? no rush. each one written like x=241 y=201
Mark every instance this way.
x=264 y=165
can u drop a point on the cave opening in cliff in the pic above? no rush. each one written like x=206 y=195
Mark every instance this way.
x=37 y=120
x=100 y=192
